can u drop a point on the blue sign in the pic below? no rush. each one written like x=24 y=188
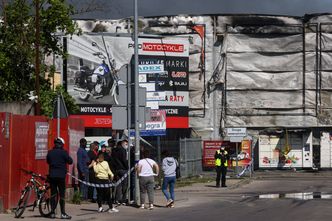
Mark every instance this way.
x=149 y=133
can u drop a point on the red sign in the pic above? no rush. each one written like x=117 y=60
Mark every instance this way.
x=163 y=47
x=209 y=149
x=177 y=122
x=96 y=120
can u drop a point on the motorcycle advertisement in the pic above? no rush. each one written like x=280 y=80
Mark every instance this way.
x=98 y=64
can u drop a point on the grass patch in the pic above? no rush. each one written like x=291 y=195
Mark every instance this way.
x=182 y=182
x=76 y=198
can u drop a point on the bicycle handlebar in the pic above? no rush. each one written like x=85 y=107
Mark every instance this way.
x=33 y=174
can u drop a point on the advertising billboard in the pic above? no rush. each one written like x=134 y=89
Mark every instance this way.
x=97 y=64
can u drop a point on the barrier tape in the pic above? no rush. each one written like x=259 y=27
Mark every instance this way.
x=98 y=185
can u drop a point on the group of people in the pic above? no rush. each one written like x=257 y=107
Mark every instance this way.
x=110 y=163
x=106 y=164
x=101 y=165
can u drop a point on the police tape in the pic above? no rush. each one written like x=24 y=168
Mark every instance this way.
x=103 y=185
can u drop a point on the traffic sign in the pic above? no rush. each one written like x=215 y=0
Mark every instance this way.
x=236 y=132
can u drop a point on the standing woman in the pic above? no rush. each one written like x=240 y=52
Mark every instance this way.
x=145 y=169
x=169 y=166
x=103 y=176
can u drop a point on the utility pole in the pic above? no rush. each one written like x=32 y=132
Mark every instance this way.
x=37 y=55
x=137 y=137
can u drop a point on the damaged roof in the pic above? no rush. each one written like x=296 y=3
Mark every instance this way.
x=117 y=9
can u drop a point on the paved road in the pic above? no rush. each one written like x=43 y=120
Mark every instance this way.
x=241 y=200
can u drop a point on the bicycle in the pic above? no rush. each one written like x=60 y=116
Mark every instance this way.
x=247 y=169
x=41 y=188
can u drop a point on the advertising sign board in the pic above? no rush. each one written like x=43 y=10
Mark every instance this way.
x=209 y=149
x=41 y=140
x=97 y=63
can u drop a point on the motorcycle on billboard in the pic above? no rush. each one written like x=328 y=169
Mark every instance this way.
x=100 y=81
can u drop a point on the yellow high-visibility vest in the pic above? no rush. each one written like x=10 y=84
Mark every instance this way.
x=218 y=161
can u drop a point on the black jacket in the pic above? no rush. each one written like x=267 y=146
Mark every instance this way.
x=57 y=160
x=119 y=156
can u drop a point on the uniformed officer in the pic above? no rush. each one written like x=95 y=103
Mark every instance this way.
x=221 y=161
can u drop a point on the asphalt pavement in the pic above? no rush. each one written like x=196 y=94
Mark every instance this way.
x=268 y=195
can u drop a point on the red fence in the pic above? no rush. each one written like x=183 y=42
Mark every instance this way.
x=18 y=150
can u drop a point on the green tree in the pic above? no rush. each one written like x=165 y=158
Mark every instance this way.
x=17 y=46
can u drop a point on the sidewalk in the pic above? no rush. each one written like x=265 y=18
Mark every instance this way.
x=88 y=211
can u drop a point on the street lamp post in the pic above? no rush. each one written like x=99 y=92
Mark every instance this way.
x=137 y=137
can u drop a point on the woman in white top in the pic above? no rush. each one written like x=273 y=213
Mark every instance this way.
x=145 y=169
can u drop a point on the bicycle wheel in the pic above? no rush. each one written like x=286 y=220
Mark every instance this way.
x=22 y=202
x=45 y=208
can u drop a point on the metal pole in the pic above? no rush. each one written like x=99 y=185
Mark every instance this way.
x=214 y=95
x=37 y=57
x=159 y=157
x=129 y=103
x=237 y=160
x=58 y=116
x=137 y=138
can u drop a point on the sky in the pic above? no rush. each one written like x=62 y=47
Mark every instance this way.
x=117 y=9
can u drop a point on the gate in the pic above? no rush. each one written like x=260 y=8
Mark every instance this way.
x=190 y=157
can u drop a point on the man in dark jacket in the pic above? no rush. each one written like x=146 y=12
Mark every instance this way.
x=221 y=161
x=93 y=154
x=57 y=159
x=83 y=162
x=120 y=159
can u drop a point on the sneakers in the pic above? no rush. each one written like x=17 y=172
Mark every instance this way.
x=142 y=206
x=151 y=207
x=100 y=210
x=65 y=216
x=169 y=203
x=113 y=210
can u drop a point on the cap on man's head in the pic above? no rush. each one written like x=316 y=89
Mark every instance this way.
x=222 y=147
x=59 y=140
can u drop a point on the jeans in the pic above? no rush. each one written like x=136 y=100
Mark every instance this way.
x=83 y=187
x=121 y=189
x=146 y=184
x=132 y=185
x=58 y=186
x=169 y=182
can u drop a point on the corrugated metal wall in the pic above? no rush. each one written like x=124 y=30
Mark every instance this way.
x=17 y=150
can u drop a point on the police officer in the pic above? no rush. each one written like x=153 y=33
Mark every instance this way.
x=57 y=159
x=221 y=161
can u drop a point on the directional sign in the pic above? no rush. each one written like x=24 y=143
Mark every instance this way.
x=236 y=132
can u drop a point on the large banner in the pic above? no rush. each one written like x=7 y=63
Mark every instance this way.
x=97 y=64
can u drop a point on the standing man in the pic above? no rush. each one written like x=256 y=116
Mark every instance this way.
x=221 y=161
x=57 y=159
x=83 y=162
x=92 y=153
x=121 y=164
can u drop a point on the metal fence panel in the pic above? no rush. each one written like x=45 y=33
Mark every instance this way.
x=190 y=157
